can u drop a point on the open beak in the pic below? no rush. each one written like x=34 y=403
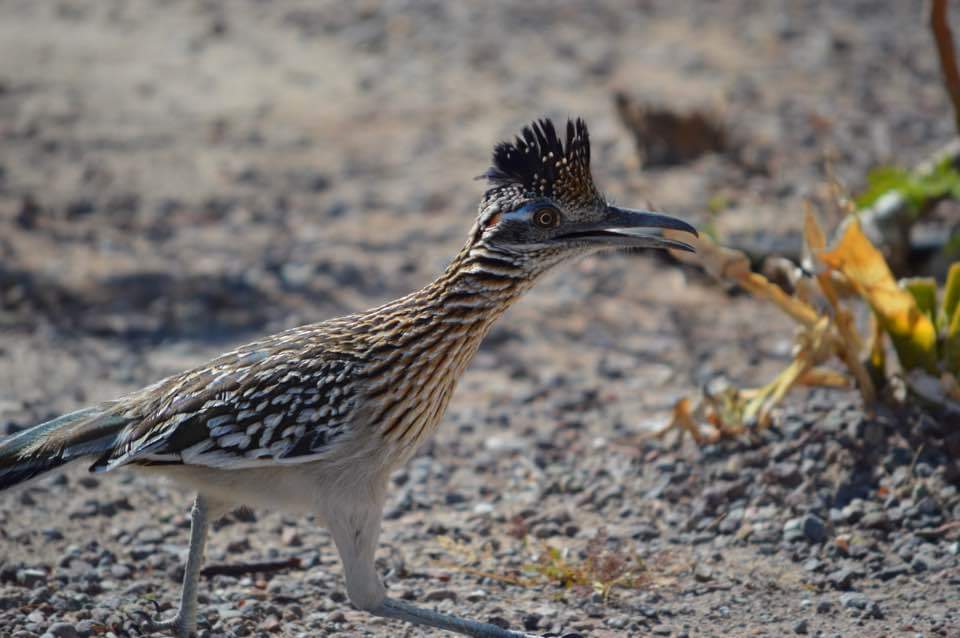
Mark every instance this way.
x=626 y=228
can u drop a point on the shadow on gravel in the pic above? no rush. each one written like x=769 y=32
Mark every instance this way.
x=147 y=307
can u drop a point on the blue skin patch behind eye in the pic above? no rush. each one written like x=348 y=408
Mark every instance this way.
x=523 y=213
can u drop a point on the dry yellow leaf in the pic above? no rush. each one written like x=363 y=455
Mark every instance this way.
x=913 y=334
x=848 y=344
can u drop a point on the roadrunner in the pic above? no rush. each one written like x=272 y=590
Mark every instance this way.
x=316 y=418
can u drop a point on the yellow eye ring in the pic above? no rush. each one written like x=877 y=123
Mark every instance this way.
x=546 y=218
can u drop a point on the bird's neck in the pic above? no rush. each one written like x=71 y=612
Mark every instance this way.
x=434 y=333
x=478 y=286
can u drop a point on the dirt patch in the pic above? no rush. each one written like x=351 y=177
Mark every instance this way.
x=177 y=178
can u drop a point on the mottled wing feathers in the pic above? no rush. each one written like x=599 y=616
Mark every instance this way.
x=246 y=409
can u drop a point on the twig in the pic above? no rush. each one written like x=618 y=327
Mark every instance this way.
x=502 y=578
x=933 y=533
x=948 y=59
x=916 y=457
x=241 y=569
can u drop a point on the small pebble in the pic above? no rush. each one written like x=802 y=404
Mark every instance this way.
x=63 y=630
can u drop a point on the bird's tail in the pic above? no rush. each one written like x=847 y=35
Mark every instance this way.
x=87 y=432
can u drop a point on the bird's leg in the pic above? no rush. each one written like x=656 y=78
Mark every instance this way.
x=184 y=623
x=355 y=528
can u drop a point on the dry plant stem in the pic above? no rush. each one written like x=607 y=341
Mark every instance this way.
x=849 y=345
x=683 y=422
x=757 y=285
x=827 y=327
x=946 y=527
x=851 y=356
x=509 y=580
x=241 y=569
x=823 y=377
x=817 y=348
x=940 y=26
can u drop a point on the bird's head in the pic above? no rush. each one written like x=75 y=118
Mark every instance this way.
x=543 y=207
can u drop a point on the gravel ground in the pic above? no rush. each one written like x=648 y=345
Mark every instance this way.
x=179 y=177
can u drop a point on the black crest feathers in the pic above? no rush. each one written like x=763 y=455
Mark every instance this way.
x=539 y=162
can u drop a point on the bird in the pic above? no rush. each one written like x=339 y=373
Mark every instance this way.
x=315 y=419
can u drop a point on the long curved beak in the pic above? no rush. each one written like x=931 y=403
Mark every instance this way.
x=628 y=228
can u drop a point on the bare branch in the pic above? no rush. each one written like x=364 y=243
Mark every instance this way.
x=948 y=59
x=240 y=569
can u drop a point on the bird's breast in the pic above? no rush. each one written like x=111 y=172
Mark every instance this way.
x=412 y=405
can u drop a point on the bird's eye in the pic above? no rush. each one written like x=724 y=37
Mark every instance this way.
x=546 y=217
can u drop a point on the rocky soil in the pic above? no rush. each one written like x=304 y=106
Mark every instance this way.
x=179 y=177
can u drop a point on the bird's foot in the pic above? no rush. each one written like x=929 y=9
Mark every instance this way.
x=402 y=610
x=178 y=626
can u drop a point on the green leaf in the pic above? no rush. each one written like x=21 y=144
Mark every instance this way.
x=951 y=313
x=951 y=345
x=951 y=249
x=924 y=291
x=880 y=181
x=951 y=293
x=917 y=190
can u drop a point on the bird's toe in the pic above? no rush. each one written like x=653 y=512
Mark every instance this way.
x=175 y=626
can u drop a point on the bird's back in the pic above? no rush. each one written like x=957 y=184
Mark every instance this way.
x=373 y=382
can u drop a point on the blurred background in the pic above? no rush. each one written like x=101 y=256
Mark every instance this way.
x=178 y=177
